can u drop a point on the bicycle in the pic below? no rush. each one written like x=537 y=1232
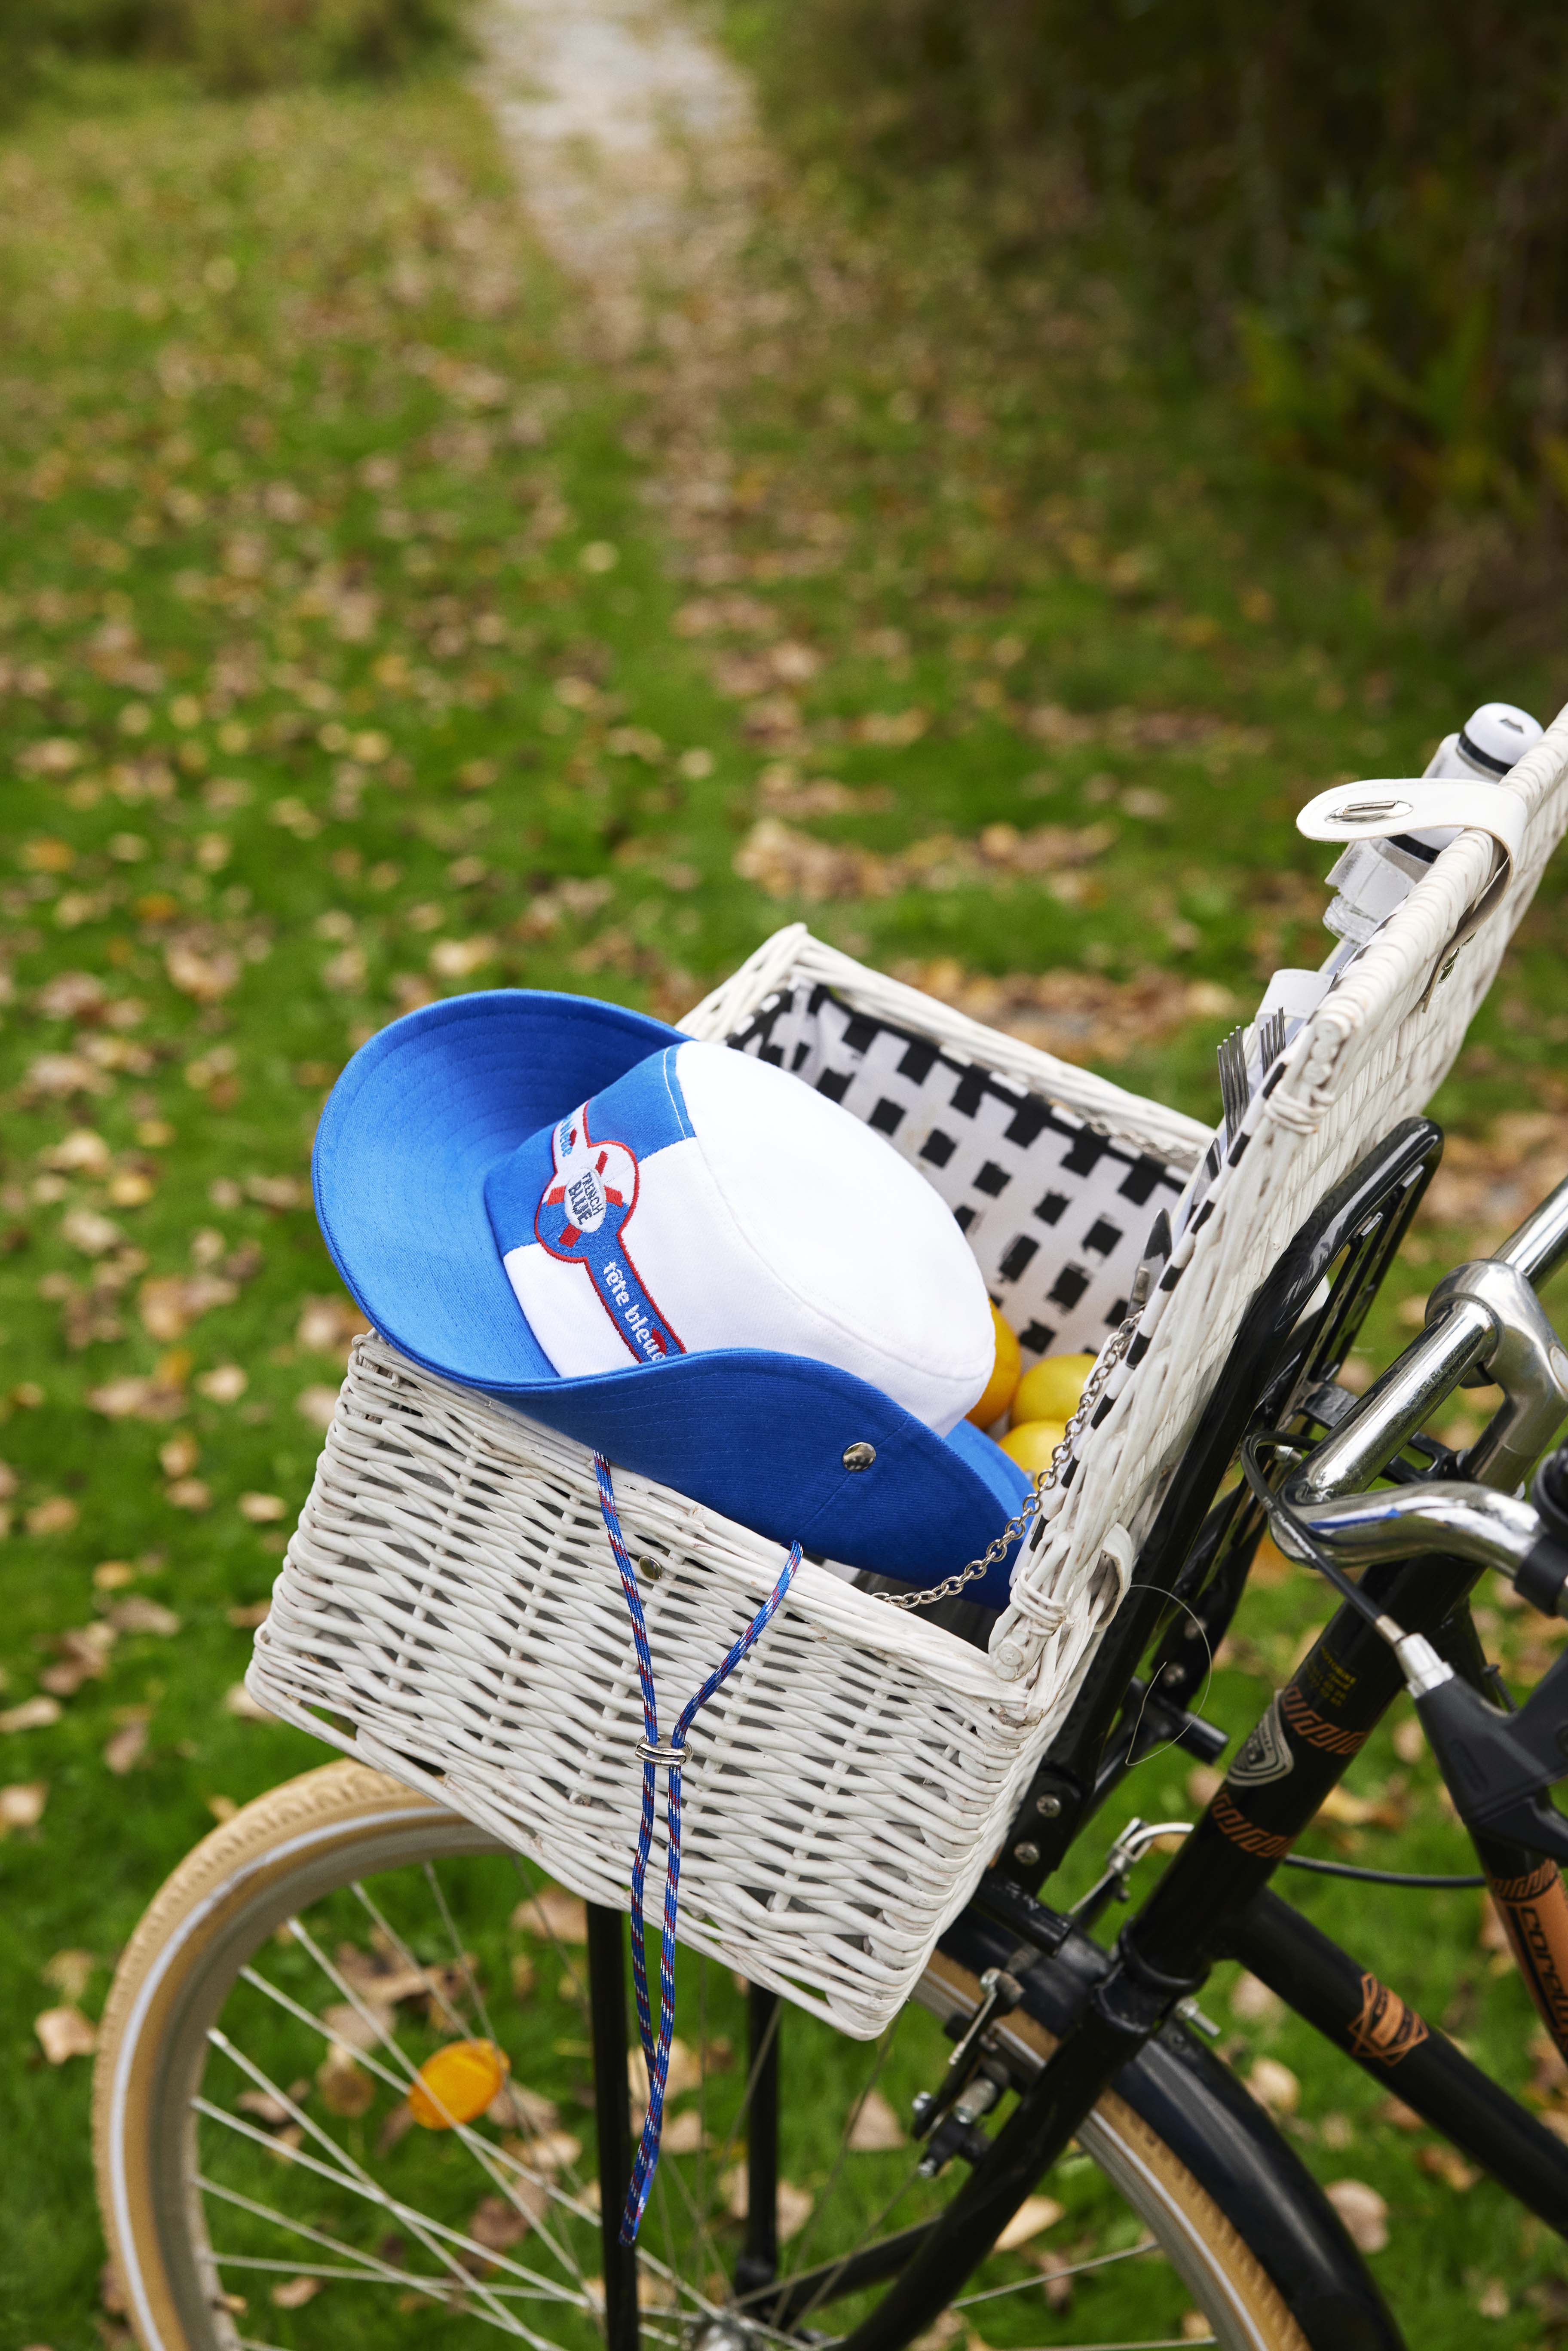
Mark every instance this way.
x=1089 y=2045
x=271 y=2167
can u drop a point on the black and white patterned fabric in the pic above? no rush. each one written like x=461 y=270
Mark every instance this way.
x=1056 y=1213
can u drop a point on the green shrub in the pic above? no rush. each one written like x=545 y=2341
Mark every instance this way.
x=1371 y=205
x=229 y=46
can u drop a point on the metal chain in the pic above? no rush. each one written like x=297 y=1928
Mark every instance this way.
x=1044 y=1480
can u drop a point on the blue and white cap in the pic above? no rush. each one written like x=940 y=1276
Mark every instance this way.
x=709 y=1200
x=683 y=1258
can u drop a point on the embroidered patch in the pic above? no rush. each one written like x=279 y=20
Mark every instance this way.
x=581 y=1218
x=1267 y=1753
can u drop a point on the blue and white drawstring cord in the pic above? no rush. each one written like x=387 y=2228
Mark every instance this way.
x=669 y=1759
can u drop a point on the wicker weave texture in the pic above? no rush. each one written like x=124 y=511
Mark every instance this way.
x=450 y=1598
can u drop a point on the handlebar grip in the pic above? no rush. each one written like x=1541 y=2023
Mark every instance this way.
x=1548 y=1492
x=1543 y=1579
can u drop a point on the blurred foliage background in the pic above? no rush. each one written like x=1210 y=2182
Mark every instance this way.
x=224 y=48
x=1362 y=213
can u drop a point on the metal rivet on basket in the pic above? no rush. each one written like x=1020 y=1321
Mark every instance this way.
x=650 y=1570
x=859 y=1455
x=1028 y=1854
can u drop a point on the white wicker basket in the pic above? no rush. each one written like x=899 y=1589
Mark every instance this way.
x=450 y=1606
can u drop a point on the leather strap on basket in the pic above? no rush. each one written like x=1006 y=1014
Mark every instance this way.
x=656 y=2050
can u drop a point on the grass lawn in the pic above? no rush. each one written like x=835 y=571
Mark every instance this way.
x=362 y=642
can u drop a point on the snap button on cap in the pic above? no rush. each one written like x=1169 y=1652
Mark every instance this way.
x=859 y=1455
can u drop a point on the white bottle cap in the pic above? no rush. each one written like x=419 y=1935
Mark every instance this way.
x=1497 y=736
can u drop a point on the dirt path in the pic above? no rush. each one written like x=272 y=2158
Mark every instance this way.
x=638 y=154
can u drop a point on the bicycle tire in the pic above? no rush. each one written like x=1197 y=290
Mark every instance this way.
x=313 y=1835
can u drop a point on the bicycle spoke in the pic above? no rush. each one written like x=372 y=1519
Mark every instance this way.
x=879 y=2060
x=1077 y=2269
x=406 y=1956
x=529 y=2128
x=487 y=2157
x=459 y=1954
x=359 y=2183
x=477 y=2147
x=384 y=2272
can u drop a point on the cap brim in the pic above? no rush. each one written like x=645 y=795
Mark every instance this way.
x=414 y=1123
x=408 y=1132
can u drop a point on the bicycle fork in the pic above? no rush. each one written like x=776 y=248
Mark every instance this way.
x=1198 y=1911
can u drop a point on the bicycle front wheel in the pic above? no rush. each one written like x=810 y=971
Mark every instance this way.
x=272 y=2179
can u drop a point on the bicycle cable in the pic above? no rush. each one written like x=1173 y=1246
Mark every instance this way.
x=1274 y=1504
x=1430 y=1885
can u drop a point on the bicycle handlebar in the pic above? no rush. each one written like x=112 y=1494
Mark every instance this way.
x=1484 y=1314
x=1464 y=1520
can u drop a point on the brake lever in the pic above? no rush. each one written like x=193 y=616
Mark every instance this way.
x=1497 y=1767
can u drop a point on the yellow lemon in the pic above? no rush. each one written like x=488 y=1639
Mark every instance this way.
x=1051 y=1392
x=457 y=2083
x=1004 y=1379
x=1032 y=1443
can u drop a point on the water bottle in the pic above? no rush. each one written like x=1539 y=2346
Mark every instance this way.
x=1372 y=876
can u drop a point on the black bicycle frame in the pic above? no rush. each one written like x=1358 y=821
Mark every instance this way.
x=1214 y=1900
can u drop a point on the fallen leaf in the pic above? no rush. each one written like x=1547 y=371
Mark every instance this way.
x=55 y=1516
x=179 y=1456
x=499 y=2222
x=1033 y=2217
x=189 y=1494
x=140 y=1614
x=346 y=2088
x=794 y=2206
x=69 y=1972
x=459 y=958
x=513 y=2107
x=207 y=977
x=169 y=1305
x=21 y=1804
x=1274 y=2086
x=552 y=1912
x=224 y=1383
x=238 y=1700
x=295 y=2293
x=1409 y=1741
x=1363 y=2211
x=126 y=1748
x=261 y=1510
x=137 y=1399
x=350 y=2029
x=91 y=1233
x=683 y=2134
x=85 y=1653
x=876 y=2128
x=1056 y=2279
x=1254 y=2001
x=246 y=1620
x=317 y=1405
x=33 y=1714
x=1395 y=2112
x=326 y=1326
x=1447 y=2164
x=65 y=2032
x=1492 y=2302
